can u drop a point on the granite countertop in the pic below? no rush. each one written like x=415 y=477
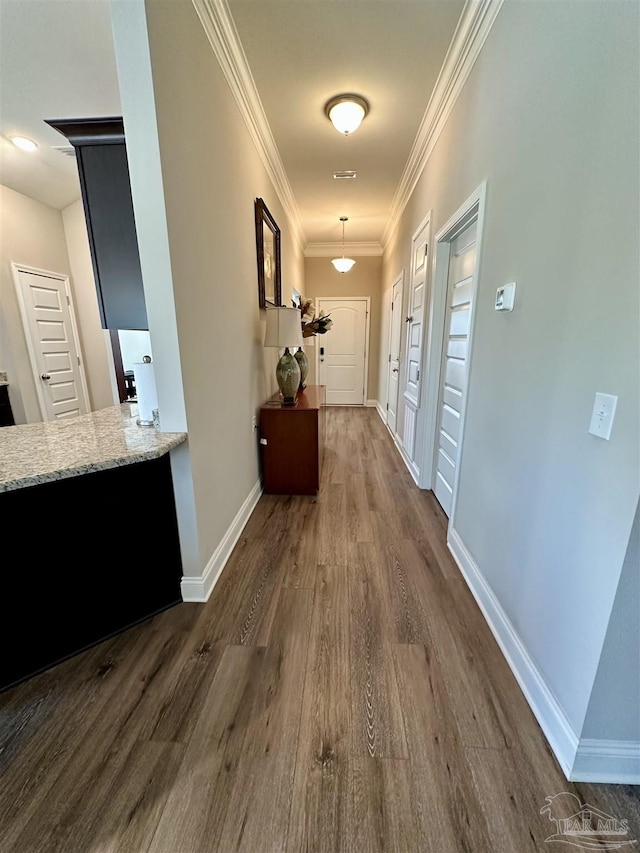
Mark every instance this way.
x=108 y=438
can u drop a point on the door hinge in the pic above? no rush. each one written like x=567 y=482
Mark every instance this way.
x=389 y=358
x=392 y=306
x=387 y=405
x=78 y=359
x=418 y=376
x=68 y=300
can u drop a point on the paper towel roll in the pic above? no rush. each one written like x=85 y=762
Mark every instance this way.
x=146 y=391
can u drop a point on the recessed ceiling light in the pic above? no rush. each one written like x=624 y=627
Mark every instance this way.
x=23 y=143
x=345 y=175
x=345 y=112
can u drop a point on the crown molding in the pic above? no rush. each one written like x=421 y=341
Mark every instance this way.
x=330 y=250
x=471 y=33
x=225 y=42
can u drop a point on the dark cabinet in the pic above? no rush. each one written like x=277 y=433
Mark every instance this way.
x=106 y=193
x=6 y=414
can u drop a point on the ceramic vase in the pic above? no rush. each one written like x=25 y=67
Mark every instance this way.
x=303 y=363
x=288 y=377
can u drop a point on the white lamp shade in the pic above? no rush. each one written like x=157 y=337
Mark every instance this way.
x=284 y=328
x=346 y=116
x=343 y=264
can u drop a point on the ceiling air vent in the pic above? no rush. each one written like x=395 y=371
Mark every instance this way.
x=67 y=150
x=345 y=175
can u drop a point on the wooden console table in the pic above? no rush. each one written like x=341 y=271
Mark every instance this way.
x=292 y=443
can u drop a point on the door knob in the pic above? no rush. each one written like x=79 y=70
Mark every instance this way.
x=395 y=370
x=45 y=376
x=408 y=319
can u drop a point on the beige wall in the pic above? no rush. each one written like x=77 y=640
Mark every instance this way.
x=364 y=279
x=94 y=339
x=212 y=174
x=549 y=118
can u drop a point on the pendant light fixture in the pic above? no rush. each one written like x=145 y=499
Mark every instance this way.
x=345 y=112
x=343 y=264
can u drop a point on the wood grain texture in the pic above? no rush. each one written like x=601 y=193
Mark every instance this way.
x=340 y=692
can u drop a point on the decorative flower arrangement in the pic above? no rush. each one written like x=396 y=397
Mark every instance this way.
x=312 y=325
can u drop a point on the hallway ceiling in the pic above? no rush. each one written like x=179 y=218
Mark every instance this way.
x=389 y=51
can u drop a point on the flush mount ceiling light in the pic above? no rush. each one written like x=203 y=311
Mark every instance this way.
x=343 y=264
x=23 y=143
x=345 y=112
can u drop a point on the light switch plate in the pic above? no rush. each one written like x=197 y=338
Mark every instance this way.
x=604 y=409
x=506 y=297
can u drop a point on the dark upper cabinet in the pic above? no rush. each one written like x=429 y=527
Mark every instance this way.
x=106 y=193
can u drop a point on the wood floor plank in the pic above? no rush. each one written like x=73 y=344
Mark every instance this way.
x=244 y=600
x=332 y=527
x=444 y=799
x=319 y=805
x=301 y=552
x=359 y=527
x=195 y=809
x=397 y=565
x=382 y=814
x=262 y=791
x=378 y=726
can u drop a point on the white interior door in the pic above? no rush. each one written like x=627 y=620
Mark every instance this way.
x=415 y=326
x=47 y=317
x=395 y=337
x=342 y=351
x=462 y=264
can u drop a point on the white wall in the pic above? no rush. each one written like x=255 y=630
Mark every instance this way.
x=94 y=339
x=549 y=118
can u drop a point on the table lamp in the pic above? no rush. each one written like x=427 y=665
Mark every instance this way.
x=284 y=329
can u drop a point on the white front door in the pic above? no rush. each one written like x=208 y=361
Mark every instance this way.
x=341 y=352
x=45 y=305
x=395 y=336
x=462 y=264
x=415 y=326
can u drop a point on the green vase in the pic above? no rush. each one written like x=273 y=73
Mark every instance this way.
x=288 y=376
x=303 y=362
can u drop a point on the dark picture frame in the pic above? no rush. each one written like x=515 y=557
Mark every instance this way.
x=268 y=256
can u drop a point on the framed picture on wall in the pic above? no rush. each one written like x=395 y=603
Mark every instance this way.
x=268 y=256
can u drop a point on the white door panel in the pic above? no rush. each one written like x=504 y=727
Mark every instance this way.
x=341 y=352
x=46 y=310
x=415 y=326
x=462 y=260
x=449 y=446
x=451 y=422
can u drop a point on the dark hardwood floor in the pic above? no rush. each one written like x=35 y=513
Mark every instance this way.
x=340 y=691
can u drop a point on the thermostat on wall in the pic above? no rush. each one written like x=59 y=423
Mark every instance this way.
x=505 y=297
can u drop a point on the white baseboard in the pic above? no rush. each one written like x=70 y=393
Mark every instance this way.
x=552 y=720
x=381 y=412
x=371 y=404
x=613 y=761
x=199 y=589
